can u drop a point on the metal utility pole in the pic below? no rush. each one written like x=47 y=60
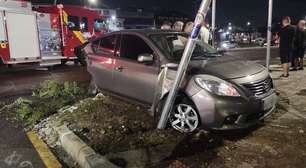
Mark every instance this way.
x=269 y=34
x=213 y=21
x=184 y=63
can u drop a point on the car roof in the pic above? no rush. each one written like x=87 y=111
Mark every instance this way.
x=148 y=32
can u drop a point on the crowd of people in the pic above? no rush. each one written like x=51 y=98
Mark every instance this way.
x=187 y=28
x=292 y=42
x=292 y=45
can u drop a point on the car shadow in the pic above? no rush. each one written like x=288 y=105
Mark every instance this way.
x=207 y=143
x=197 y=143
x=234 y=135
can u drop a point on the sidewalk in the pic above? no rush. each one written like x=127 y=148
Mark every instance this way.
x=294 y=88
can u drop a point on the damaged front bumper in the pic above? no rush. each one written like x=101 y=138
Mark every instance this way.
x=230 y=113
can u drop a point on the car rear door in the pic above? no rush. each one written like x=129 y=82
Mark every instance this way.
x=101 y=61
x=131 y=78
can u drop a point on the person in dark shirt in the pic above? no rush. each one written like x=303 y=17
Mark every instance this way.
x=286 y=35
x=299 y=45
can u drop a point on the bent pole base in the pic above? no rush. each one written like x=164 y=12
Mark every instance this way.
x=184 y=63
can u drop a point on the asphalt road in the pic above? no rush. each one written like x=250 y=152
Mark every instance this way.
x=257 y=55
x=21 y=82
x=16 y=150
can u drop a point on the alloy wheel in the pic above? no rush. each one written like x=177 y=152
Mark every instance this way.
x=185 y=118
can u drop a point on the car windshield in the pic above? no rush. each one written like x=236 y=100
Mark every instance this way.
x=173 y=46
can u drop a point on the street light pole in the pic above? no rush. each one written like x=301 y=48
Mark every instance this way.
x=269 y=34
x=213 y=21
x=184 y=63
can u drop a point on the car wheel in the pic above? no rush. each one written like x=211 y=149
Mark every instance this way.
x=184 y=116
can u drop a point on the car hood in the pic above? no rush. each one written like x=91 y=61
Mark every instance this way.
x=226 y=67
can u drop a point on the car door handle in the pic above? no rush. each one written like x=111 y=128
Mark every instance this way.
x=119 y=68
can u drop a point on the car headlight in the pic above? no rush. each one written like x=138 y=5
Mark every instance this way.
x=217 y=86
x=224 y=45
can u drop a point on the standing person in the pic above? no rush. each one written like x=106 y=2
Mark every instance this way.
x=166 y=26
x=299 y=43
x=286 y=35
x=204 y=33
x=188 y=27
x=178 y=26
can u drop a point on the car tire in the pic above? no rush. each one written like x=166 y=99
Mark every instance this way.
x=76 y=62
x=178 y=120
x=1 y=62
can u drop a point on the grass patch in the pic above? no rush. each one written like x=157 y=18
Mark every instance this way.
x=46 y=100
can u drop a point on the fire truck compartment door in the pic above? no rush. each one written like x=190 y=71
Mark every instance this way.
x=2 y=28
x=22 y=35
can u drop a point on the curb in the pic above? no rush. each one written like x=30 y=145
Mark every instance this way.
x=44 y=152
x=84 y=155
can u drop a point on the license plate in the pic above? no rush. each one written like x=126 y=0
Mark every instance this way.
x=269 y=102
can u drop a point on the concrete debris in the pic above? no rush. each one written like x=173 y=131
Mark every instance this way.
x=99 y=96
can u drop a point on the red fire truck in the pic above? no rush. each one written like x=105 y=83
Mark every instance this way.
x=45 y=35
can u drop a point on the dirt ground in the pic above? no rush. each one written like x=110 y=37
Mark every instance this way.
x=111 y=125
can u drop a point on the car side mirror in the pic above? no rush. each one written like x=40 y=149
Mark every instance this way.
x=145 y=58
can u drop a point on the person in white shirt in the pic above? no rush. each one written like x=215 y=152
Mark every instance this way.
x=204 y=34
x=178 y=26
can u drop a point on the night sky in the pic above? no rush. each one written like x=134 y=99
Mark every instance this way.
x=236 y=11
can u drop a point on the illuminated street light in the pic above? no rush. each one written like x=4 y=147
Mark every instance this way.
x=113 y=17
x=248 y=23
x=92 y=1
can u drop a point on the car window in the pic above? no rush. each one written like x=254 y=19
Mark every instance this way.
x=105 y=46
x=173 y=45
x=99 y=25
x=132 y=46
x=73 y=23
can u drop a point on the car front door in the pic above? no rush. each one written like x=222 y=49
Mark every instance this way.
x=132 y=78
x=101 y=61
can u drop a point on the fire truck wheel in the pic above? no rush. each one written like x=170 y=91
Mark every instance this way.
x=76 y=62
x=50 y=68
x=64 y=61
